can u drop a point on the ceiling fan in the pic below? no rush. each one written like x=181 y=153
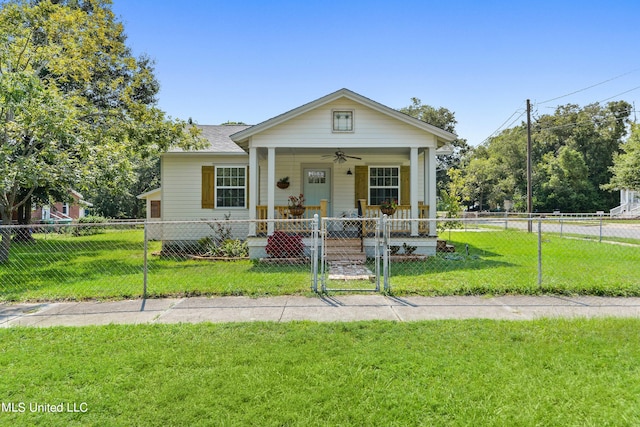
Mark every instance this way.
x=340 y=157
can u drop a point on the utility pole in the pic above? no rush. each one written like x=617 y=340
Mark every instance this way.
x=529 y=190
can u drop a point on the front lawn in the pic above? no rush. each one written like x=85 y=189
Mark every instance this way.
x=111 y=265
x=476 y=372
x=506 y=261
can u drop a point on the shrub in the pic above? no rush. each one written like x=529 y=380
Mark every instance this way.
x=409 y=249
x=230 y=248
x=283 y=245
x=86 y=230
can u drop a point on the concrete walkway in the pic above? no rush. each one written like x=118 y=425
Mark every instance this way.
x=328 y=308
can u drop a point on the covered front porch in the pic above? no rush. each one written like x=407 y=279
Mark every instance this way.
x=347 y=189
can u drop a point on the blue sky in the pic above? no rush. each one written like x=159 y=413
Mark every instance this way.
x=252 y=60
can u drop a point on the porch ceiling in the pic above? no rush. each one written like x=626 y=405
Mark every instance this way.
x=349 y=151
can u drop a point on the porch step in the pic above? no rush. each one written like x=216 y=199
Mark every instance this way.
x=347 y=250
x=349 y=258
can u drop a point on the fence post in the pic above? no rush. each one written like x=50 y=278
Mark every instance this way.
x=600 y=240
x=385 y=253
x=539 y=252
x=322 y=225
x=376 y=247
x=314 y=255
x=145 y=266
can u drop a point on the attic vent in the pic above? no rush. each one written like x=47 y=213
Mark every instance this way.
x=343 y=121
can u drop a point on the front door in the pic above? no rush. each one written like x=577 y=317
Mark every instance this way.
x=317 y=186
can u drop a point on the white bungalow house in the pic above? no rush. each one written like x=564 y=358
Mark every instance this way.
x=346 y=153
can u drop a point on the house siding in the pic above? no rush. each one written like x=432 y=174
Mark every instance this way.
x=371 y=129
x=182 y=187
x=181 y=192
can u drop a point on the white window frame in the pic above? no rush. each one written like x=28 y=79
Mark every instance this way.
x=333 y=120
x=369 y=186
x=226 y=187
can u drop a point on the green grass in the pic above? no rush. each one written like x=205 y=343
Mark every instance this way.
x=506 y=261
x=545 y=372
x=110 y=265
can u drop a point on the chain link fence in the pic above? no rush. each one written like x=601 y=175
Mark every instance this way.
x=593 y=256
x=500 y=255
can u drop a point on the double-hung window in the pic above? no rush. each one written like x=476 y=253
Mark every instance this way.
x=384 y=184
x=231 y=187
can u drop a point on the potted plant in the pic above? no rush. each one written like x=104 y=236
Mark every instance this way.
x=388 y=207
x=283 y=183
x=296 y=205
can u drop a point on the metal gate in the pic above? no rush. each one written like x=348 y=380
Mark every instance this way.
x=350 y=254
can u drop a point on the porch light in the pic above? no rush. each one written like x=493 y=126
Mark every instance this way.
x=349 y=172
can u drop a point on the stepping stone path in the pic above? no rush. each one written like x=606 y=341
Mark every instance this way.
x=349 y=270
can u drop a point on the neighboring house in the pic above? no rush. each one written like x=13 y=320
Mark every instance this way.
x=629 y=205
x=154 y=207
x=153 y=201
x=62 y=211
x=346 y=153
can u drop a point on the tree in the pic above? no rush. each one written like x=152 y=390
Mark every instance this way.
x=626 y=165
x=75 y=104
x=451 y=199
x=573 y=149
x=119 y=200
x=596 y=132
x=497 y=170
x=444 y=119
x=479 y=182
x=566 y=182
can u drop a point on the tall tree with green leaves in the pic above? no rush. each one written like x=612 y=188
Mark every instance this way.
x=596 y=132
x=444 y=119
x=74 y=102
x=564 y=182
x=497 y=170
x=572 y=153
x=626 y=165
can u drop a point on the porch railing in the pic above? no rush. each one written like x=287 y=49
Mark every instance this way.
x=627 y=209
x=283 y=212
x=403 y=212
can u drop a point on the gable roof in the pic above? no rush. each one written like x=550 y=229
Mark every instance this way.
x=242 y=137
x=218 y=138
x=149 y=193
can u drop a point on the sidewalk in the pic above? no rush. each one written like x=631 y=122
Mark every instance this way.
x=341 y=308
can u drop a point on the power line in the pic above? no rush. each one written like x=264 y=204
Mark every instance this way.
x=502 y=125
x=539 y=127
x=589 y=87
x=621 y=93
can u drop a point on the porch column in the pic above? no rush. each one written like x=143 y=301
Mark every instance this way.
x=271 y=191
x=414 y=190
x=432 y=191
x=425 y=176
x=253 y=189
